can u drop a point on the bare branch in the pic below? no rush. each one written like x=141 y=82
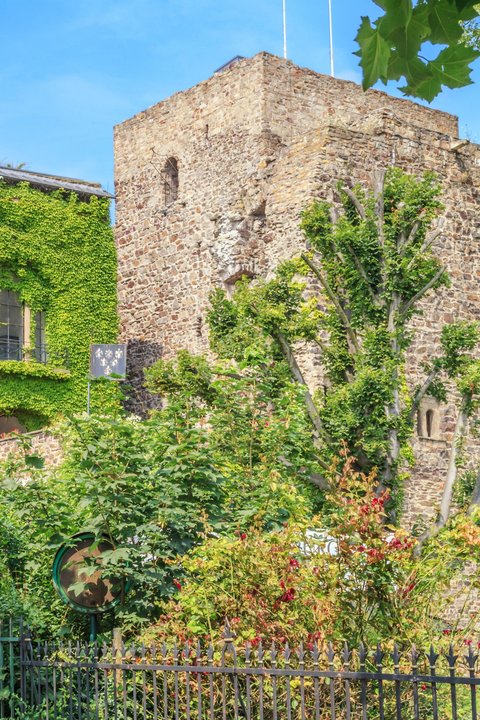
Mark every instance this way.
x=460 y=430
x=314 y=478
x=379 y=203
x=423 y=390
x=355 y=201
x=287 y=353
x=405 y=241
x=334 y=299
x=407 y=307
x=428 y=242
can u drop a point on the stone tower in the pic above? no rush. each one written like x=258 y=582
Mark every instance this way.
x=210 y=184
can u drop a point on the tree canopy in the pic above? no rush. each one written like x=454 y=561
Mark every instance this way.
x=430 y=43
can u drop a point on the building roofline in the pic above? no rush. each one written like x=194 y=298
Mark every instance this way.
x=44 y=181
x=264 y=55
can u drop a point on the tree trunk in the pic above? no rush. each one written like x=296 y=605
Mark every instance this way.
x=460 y=431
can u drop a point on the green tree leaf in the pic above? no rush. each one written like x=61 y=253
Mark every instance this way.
x=452 y=66
x=444 y=25
x=374 y=52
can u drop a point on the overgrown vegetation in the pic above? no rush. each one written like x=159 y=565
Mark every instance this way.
x=57 y=254
x=213 y=495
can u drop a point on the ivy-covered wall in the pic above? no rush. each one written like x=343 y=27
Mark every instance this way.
x=57 y=253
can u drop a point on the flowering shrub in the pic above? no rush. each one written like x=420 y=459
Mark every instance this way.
x=355 y=579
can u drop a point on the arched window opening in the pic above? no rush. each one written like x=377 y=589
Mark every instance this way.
x=11 y=326
x=429 y=418
x=170 y=181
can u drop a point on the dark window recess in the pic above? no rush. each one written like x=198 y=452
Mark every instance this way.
x=11 y=326
x=170 y=181
x=429 y=423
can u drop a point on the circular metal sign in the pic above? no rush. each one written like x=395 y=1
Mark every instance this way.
x=73 y=563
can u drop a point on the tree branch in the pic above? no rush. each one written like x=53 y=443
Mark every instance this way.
x=287 y=353
x=423 y=389
x=452 y=472
x=405 y=241
x=428 y=242
x=407 y=307
x=379 y=190
x=334 y=299
x=355 y=201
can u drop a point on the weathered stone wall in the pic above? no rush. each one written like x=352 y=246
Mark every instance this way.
x=254 y=145
x=43 y=443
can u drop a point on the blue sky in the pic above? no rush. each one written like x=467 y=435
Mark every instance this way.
x=71 y=69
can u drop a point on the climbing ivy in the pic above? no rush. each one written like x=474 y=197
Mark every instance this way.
x=57 y=253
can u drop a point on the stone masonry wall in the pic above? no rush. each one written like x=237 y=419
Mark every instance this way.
x=254 y=144
x=43 y=443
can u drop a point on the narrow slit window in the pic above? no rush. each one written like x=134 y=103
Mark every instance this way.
x=170 y=180
x=429 y=418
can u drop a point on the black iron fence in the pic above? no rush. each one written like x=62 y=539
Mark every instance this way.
x=44 y=681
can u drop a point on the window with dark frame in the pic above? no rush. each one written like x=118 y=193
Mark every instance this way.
x=40 y=346
x=11 y=326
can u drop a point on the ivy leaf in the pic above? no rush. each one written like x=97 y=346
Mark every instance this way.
x=374 y=52
x=444 y=23
x=35 y=461
x=452 y=66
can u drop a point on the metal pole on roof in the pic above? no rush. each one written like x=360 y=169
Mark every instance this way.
x=285 y=29
x=330 y=25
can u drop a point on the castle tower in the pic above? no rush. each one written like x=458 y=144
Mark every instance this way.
x=210 y=184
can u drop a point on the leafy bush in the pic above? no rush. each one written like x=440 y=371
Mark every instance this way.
x=355 y=579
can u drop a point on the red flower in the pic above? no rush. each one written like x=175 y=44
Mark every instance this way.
x=243 y=536
x=294 y=563
x=468 y=641
x=446 y=631
x=177 y=584
x=423 y=686
x=288 y=595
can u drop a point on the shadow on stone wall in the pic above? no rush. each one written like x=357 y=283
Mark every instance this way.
x=141 y=354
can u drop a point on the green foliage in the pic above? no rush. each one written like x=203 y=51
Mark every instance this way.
x=217 y=457
x=58 y=254
x=393 y=47
x=353 y=579
x=150 y=487
x=373 y=265
x=254 y=427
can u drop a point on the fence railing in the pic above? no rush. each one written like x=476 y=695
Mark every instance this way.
x=83 y=682
x=10 y=635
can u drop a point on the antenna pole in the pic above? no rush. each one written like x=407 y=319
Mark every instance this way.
x=330 y=25
x=285 y=29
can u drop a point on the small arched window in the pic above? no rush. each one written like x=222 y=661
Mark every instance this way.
x=170 y=181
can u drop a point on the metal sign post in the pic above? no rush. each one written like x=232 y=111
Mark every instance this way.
x=108 y=361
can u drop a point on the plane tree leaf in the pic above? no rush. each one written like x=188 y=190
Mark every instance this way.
x=392 y=47
x=374 y=53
